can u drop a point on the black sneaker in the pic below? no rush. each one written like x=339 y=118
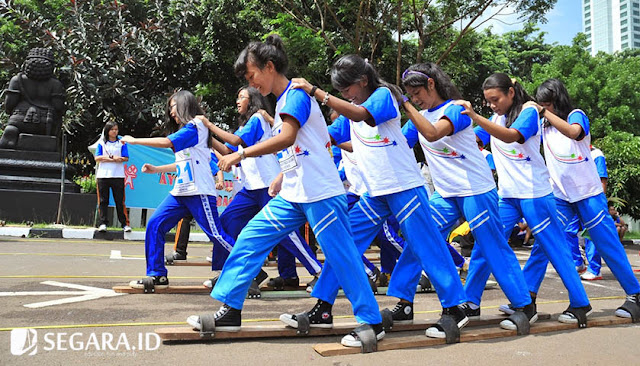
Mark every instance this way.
x=458 y=314
x=158 y=282
x=469 y=311
x=175 y=256
x=402 y=312
x=312 y=283
x=227 y=318
x=631 y=300
x=424 y=285
x=280 y=283
x=352 y=339
x=383 y=279
x=319 y=316
x=529 y=310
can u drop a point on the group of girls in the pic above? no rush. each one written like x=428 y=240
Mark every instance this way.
x=310 y=190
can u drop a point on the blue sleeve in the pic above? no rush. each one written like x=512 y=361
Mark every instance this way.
x=337 y=155
x=343 y=175
x=251 y=132
x=380 y=106
x=482 y=134
x=214 y=164
x=231 y=147
x=492 y=165
x=124 y=151
x=581 y=119
x=340 y=130
x=99 y=150
x=298 y=106
x=601 y=165
x=527 y=123
x=186 y=137
x=410 y=132
x=460 y=121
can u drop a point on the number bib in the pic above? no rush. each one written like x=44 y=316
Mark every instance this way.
x=286 y=157
x=185 y=181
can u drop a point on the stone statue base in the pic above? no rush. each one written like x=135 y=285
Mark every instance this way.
x=30 y=189
x=27 y=141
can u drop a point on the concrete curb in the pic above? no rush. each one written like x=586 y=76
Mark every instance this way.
x=90 y=233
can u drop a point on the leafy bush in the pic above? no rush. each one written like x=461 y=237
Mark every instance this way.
x=87 y=183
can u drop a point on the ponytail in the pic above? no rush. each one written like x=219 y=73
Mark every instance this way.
x=260 y=53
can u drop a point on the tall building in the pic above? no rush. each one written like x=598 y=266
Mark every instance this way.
x=611 y=25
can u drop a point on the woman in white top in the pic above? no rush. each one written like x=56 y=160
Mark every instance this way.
x=578 y=190
x=310 y=190
x=111 y=154
x=524 y=190
x=464 y=185
x=370 y=119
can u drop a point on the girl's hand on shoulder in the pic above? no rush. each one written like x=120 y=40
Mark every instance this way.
x=204 y=120
x=227 y=161
x=468 y=108
x=128 y=139
x=148 y=168
x=532 y=104
x=301 y=83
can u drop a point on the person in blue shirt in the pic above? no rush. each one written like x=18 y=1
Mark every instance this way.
x=194 y=189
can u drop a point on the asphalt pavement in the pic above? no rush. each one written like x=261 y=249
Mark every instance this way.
x=57 y=308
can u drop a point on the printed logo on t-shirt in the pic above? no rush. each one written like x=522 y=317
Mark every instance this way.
x=513 y=154
x=442 y=153
x=375 y=141
x=571 y=158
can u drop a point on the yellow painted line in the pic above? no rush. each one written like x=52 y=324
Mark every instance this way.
x=99 y=325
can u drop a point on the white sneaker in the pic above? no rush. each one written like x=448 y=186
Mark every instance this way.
x=209 y=259
x=590 y=276
x=102 y=228
x=127 y=229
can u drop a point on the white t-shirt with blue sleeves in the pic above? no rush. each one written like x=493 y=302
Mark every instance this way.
x=257 y=172
x=385 y=160
x=192 y=160
x=601 y=162
x=457 y=167
x=309 y=174
x=116 y=149
x=573 y=172
x=521 y=170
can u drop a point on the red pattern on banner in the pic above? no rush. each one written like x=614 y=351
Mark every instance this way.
x=130 y=173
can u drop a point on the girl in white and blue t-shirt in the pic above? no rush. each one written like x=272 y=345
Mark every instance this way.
x=111 y=154
x=464 y=186
x=524 y=191
x=578 y=190
x=310 y=190
x=370 y=119
x=257 y=173
x=194 y=190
